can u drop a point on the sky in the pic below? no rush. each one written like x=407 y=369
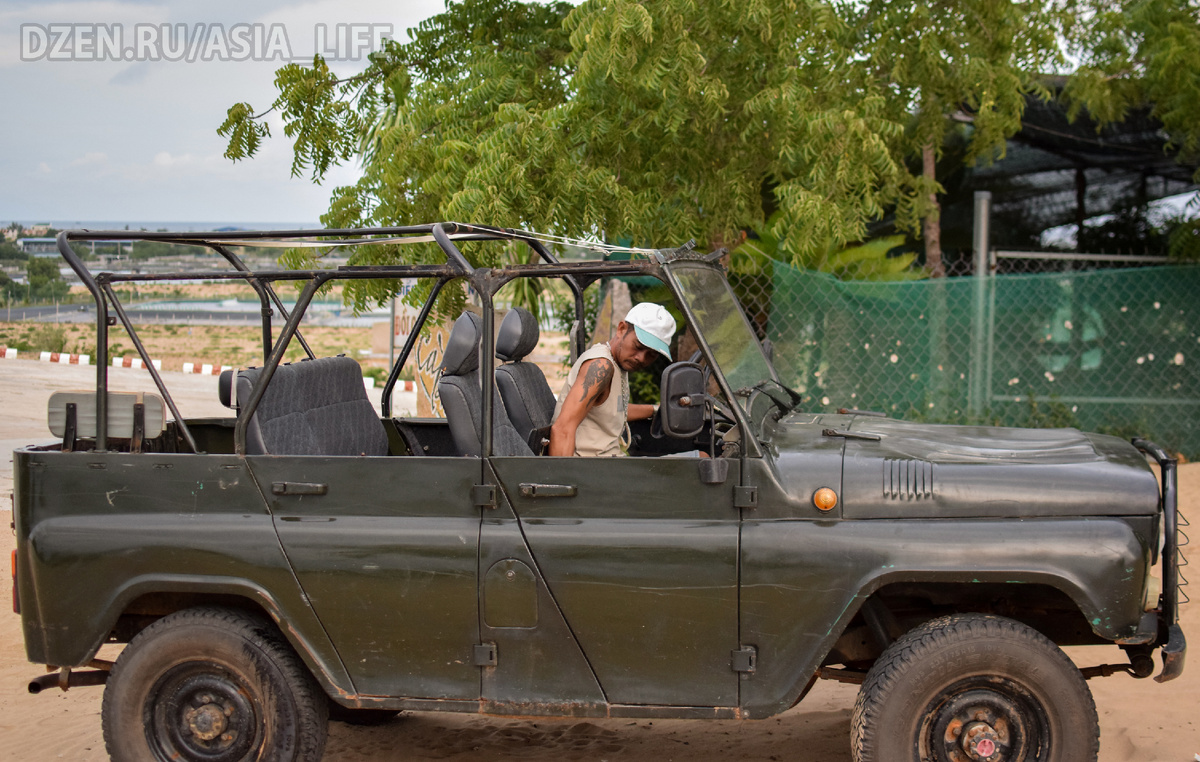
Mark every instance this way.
x=92 y=128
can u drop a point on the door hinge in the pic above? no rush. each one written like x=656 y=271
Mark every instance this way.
x=745 y=497
x=484 y=495
x=485 y=655
x=744 y=659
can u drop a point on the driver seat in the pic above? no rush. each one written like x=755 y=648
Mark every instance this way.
x=522 y=385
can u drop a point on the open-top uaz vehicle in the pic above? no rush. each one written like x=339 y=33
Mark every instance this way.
x=309 y=554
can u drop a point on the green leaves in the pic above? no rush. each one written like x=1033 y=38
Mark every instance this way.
x=524 y=292
x=664 y=120
x=324 y=127
x=869 y=261
x=943 y=66
x=1135 y=53
x=244 y=133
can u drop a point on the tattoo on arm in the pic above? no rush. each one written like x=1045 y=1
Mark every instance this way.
x=596 y=381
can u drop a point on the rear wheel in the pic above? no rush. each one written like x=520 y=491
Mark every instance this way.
x=974 y=688
x=212 y=685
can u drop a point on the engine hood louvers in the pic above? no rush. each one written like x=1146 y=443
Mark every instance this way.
x=907 y=479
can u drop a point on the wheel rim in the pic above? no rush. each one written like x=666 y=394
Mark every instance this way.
x=985 y=719
x=202 y=711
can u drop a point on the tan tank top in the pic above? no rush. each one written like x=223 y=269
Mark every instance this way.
x=605 y=430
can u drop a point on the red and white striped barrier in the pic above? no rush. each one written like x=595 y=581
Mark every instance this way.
x=205 y=369
x=134 y=362
x=64 y=358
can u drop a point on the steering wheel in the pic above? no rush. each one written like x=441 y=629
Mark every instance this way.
x=722 y=421
x=720 y=413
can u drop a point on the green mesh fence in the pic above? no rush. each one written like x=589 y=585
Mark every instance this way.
x=1116 y=351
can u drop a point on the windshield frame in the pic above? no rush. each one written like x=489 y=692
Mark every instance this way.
x=738 y=403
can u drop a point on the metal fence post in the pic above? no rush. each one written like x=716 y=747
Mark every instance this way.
x=977 y=387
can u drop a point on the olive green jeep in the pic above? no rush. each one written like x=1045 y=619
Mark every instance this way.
x=310 y=555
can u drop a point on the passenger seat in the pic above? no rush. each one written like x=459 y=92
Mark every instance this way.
x=461 y=393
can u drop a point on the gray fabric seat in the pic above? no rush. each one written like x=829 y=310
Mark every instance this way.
x=313 y=407
x=522 y=385
x=461 y=393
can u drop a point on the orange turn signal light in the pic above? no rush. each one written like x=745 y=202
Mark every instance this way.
x=825 y=499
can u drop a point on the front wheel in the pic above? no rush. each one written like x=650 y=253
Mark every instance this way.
x=974 y=688
x=212 y=685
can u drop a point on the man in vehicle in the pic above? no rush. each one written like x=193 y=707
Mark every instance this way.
x=593 y=410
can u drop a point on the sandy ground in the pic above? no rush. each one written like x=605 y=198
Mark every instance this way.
x=1140 y=720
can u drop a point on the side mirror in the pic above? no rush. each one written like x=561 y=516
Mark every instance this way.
x=683 y=399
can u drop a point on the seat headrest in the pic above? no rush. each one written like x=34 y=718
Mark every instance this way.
x=225 y=389
x=462 y=348
x=518 y=335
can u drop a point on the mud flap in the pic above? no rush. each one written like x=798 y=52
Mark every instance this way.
x=1173 y=655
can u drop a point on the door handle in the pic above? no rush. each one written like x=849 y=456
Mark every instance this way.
x=298 y=488
x=547 y=490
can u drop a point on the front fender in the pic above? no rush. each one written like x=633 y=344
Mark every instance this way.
x=802 y=582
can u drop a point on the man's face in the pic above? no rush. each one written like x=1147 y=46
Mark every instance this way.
x=629 y=353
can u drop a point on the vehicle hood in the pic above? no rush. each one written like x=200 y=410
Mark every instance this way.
x=904 y=469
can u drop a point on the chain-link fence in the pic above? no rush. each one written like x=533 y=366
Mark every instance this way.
x=1097 y=344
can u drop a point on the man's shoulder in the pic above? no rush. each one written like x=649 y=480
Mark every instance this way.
x=596 y=352
x=599 y=354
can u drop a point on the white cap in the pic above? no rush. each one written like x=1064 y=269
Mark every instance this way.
x=654 y=326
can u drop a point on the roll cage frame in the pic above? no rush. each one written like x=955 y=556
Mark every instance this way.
x=486 y=282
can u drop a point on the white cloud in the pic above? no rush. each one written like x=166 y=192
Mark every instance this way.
x=93 y=157
x=164 y=159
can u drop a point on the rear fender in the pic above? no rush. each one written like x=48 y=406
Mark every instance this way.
x=299 y=626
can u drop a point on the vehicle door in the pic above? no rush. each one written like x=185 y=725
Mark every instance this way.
x=386 y=550
x=641 y=558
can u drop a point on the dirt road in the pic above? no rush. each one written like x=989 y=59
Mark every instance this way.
x=1140 y=720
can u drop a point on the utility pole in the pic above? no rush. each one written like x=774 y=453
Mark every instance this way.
x=979 y=389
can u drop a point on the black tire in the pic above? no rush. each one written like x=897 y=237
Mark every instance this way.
x=962 y=685
x=212 y=685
